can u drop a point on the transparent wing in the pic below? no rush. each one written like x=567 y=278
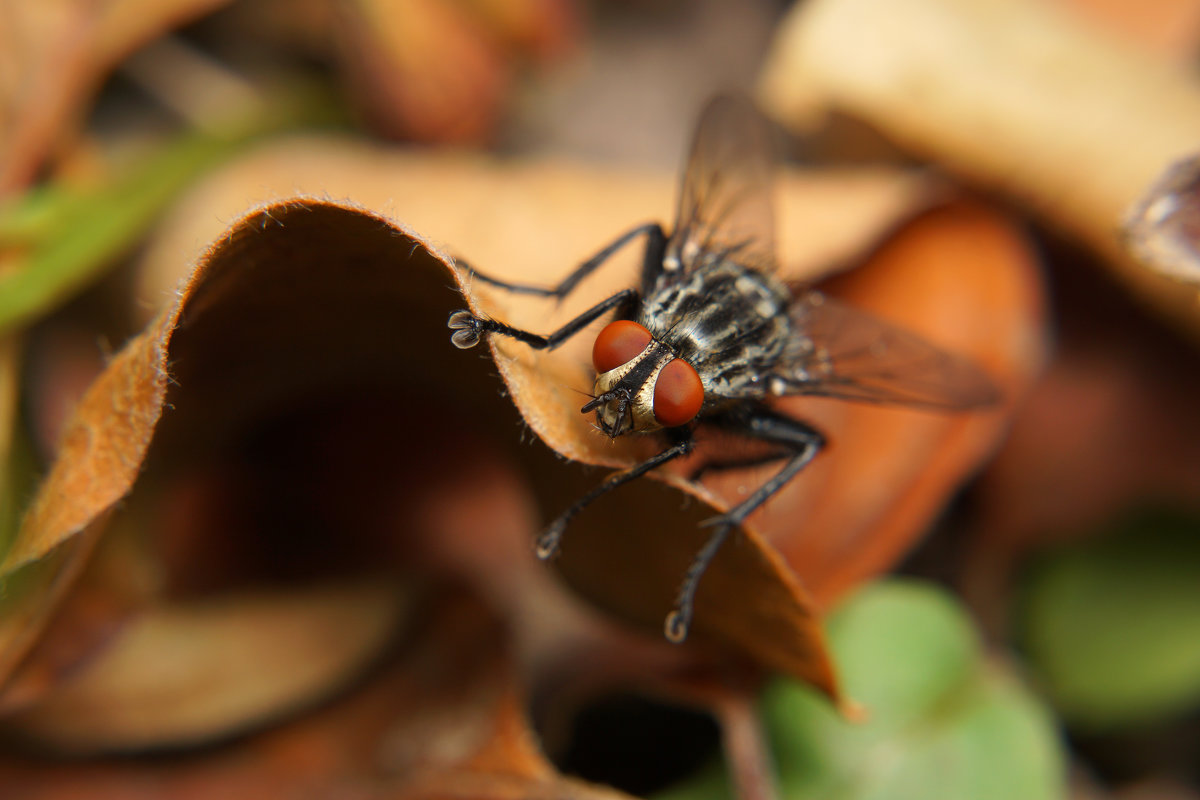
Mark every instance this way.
x=725 y=203
x=845 y=353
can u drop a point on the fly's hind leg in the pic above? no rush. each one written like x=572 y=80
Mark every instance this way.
x=469 y=329
x=799 y=444
x=652 y=260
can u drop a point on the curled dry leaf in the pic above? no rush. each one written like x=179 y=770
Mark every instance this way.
x=531 y=223
x=101 y=453
x=303 y=316
x=318 y=417
x=964 y=278
x=532 y=220
x=442 y=717
x=1016 y=95
x=309 y=427
x=187 y=672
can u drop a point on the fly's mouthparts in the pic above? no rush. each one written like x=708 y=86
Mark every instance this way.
x=600 y=400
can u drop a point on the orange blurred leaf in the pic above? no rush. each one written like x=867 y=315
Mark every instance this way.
x=964 y=277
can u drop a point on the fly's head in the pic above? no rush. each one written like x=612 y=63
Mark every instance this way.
x=640 y=385
x=614 y=411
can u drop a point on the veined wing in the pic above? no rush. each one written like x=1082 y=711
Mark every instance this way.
x=725 y=201
x=838 y=351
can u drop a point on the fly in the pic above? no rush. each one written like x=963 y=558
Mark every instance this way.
x=712 y=335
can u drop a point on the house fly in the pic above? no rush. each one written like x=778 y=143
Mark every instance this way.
x=712 y=335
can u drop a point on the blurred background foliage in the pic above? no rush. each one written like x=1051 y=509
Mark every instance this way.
x=1048 y=627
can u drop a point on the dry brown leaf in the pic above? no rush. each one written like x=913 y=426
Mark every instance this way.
x=227 y=391
x=190 y=672
x=298 y=303
x=486 y=211
x=1013 y=94
x=314 y=391
x=102 y=447
x=102 y=451
x=444 y=717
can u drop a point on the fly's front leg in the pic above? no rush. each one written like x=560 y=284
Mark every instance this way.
x=547 y=543
x=469 y=329
x=655 y=245
x=801 y=442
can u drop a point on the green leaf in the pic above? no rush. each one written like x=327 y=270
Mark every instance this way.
x=1112 y=626
x=943 y=721
x=70 y=235
x=16 y=464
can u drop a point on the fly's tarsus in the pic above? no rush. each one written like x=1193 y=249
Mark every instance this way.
x=547 y=543
x=679 y=621
x=468 y=329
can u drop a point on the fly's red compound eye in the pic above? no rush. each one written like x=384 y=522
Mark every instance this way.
x=678 y=394
x=619 y=343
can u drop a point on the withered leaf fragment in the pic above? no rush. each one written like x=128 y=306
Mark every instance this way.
x=310 y=339
x=442 y=717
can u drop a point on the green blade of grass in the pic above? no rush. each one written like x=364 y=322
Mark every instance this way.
x=71 y=235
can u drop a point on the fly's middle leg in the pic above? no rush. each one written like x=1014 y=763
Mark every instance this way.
x=547 y=543
x=801 y=443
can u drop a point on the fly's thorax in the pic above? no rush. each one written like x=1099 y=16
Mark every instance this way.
x=629 y=390
x=728 y=320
